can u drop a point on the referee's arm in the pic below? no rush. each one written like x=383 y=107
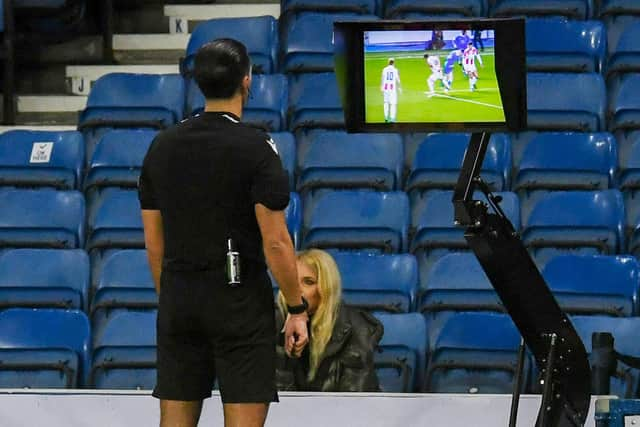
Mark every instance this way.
x=154 y=242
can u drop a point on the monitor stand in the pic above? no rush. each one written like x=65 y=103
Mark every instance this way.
x=545 y=328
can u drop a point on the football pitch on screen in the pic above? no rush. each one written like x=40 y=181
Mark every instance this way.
x=415 y=106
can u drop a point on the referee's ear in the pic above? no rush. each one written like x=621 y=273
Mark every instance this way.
x=246 y=87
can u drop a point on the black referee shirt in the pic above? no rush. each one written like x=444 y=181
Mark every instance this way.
x=205 y=175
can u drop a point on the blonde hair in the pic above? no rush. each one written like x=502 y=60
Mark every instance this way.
x=330 y=293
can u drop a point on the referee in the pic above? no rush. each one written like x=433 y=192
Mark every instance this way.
x=212 y=192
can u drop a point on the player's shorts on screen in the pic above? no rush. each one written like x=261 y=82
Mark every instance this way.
x=437 y=74
x=470 y=69
x=390 y=96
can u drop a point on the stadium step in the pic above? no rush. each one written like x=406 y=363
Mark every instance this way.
x=182 y=18
x=83 y=76
x=49 y=109
x=149 y=48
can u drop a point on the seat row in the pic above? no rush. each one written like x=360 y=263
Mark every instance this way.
x=468 y=353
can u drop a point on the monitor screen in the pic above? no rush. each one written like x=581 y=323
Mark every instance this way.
x=432 y=75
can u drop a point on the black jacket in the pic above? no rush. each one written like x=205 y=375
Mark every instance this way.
x=347 y=364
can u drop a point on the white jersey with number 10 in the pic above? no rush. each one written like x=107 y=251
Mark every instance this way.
x=390 y=78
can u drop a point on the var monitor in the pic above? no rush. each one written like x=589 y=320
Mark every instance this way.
x=432 y=75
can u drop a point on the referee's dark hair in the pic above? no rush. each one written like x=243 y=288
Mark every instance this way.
x=220 y=67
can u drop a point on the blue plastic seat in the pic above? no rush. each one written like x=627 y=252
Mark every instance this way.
x=629 y=172
x=335 y=159
x=433 y=232
x=568 y=161
x=286 y=145
x=43 y=218
x=44 y=278
x=475 y=353
x=44 y=348
x=259 y=34
x=399 y=8
x=574 y=9
x=357 y=220
x=124 y=351
x=619 y=7
x=595 y=284
x=378 y=282
x=456 y=282
x=124 y=100
x=437 y=161
x=586 y=222
x=115 y=221
x=41 y=159
x=624 y=56
x=265 y=108
x=330 y=6
x=624 y=106
x=402 y=352
x=558 y=44
x=308 y=41
x=117 y=159
x=566 y=101
x=124 y=282
x=625 y=333
x=314 y=102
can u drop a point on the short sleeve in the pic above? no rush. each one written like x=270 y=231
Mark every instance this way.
x=146 y=194
x=270 y=183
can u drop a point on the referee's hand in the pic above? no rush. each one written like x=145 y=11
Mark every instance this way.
x=296 y=336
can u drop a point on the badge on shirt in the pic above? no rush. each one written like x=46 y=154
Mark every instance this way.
x=272 y=145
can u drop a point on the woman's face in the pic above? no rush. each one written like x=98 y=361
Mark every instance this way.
x=308 y=280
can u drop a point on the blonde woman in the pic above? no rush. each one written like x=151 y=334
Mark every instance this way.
x=342 y=339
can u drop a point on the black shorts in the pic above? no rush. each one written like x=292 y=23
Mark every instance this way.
x=208 y=330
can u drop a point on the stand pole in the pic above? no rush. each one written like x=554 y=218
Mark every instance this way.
x=548 y=376
x=515 y=397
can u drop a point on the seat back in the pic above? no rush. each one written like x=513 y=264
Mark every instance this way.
x=314 y=102
x=401 y=8
x=596 y=284
x=335 y=159
x=355 y=219
x=44 y=278
x=402 y=352
x=624 y=56
x=566 y=101
x=114 y=221
x=618 y=7
x=41 y=158
x=378 y=282
x=573 y=9
x=41 y=218
x=329 y=6
x=624 y=107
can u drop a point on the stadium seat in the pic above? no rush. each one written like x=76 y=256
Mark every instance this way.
x=433 y=231
x=124 y=351
x=574 y=9
x=624 y=106
x=41 y=159
x=124 y=282
x=624 y=57
x=566 y=101
x=400 y=8
x=456 y=282
x=314 y=102
x=437 y=162
x=618 y=7
x=124 y=100
x=50 y=278
x=402 y=352
x=43 y=218
x=308 y=41
x=259 y=34
x=114 y=221
x=378 y=282
x=629 y=174
x=558 y=44
x=567 y=161
x=117 y=159
x=329 y=6
x=595 y=284
x=353 y=219
x=585 y=222
x=286 y=145
x=335 y=159
x=625 y=333
x=44 y=348
x=265 y=108
x=475 y=353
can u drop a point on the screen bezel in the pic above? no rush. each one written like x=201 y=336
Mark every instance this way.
x=510 y=65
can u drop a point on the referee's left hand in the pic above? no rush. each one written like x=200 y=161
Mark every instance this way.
x=296 y=335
